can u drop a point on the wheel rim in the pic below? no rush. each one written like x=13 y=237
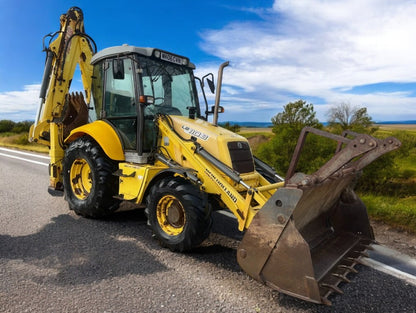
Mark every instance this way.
x=80 y=178
x=171 y=215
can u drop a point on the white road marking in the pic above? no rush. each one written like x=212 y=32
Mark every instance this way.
x=24 y=159
x=389 y=270
x=25 y=153
x=390 y=261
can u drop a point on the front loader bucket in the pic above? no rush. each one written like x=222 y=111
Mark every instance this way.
x=311 y=233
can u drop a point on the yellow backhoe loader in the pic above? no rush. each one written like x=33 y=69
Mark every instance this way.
x=137 y=133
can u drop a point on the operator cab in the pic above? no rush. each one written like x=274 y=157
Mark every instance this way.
x=131 y=85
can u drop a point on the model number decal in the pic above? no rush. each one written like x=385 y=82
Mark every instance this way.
x=171 y=58
x=194 y=132
x=216 y=180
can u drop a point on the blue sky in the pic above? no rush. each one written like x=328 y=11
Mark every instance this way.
x=362 y=52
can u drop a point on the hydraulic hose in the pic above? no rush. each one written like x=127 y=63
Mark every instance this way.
x=46 y=74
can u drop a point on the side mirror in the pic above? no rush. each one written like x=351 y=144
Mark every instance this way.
x=118 y=69
x=210 y=82
x=220 y=109
x=211 y=85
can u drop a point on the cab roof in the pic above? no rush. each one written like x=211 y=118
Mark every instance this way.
x=125 y=49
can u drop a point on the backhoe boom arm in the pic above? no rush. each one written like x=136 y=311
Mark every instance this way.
x=71 y=47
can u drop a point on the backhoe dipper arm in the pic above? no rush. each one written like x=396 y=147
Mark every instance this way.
x=71 y=47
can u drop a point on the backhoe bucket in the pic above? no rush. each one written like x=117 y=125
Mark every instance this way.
x=312 y=233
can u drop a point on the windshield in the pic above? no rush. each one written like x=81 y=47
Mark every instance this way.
x=171 y=85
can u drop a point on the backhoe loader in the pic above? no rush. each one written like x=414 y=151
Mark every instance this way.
x=138 y=133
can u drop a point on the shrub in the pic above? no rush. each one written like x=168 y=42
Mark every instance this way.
x=6 y=126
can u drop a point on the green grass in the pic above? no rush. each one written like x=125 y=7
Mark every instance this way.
x=397 y=212
x=20 y=141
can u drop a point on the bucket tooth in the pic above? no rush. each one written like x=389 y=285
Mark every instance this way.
x=332 y=288
x=362 y=253
x=325 y=301
x=341 y=277
x=355 y=260
x=348 y=268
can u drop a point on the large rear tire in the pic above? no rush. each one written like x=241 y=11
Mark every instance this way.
x=178 y=214
x=89 y=183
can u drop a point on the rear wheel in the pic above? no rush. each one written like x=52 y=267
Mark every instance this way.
x=88 y=178
x=178 y=214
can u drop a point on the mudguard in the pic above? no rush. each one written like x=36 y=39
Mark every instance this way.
x=104 y=134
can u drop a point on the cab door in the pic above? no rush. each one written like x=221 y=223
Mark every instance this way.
x=120 y=103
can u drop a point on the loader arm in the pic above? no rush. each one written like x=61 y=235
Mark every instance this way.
x=57 y=108
x=215 y=177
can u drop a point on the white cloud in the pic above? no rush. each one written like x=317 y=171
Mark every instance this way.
x=21 y=104
x=321 y=49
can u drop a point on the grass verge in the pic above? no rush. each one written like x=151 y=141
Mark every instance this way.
x=20 y=141
x=397 y=212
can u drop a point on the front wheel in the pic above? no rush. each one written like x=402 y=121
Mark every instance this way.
x=178 y=214
x=88 y=179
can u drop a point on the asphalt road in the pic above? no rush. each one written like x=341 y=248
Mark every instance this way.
x=54 y=261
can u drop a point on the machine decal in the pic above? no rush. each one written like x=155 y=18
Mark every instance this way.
x=171 y=58
x=194 y=132
x=216 y=180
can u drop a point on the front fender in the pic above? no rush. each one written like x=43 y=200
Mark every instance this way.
x=104 y=134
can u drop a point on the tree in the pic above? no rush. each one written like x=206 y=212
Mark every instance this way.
x=287 y=126
x=21 y=127
x=296 y=115
x=6 y=126
x=345 y=116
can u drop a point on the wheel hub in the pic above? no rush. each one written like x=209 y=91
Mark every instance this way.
x=171 y=215
x=80 y=178
x=175 y=215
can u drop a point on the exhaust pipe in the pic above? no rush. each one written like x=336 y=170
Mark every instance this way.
x=218 y=93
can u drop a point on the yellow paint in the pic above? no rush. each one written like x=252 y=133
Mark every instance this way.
x=169 y=225
x=56 y=155
x=214 y=139
x=47 y=129
x=80 y=178
x=237 y=199
x=135 y=179
x=104 y=134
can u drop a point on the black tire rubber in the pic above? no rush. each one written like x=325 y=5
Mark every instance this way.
x=104 y=185
x=197 y=213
